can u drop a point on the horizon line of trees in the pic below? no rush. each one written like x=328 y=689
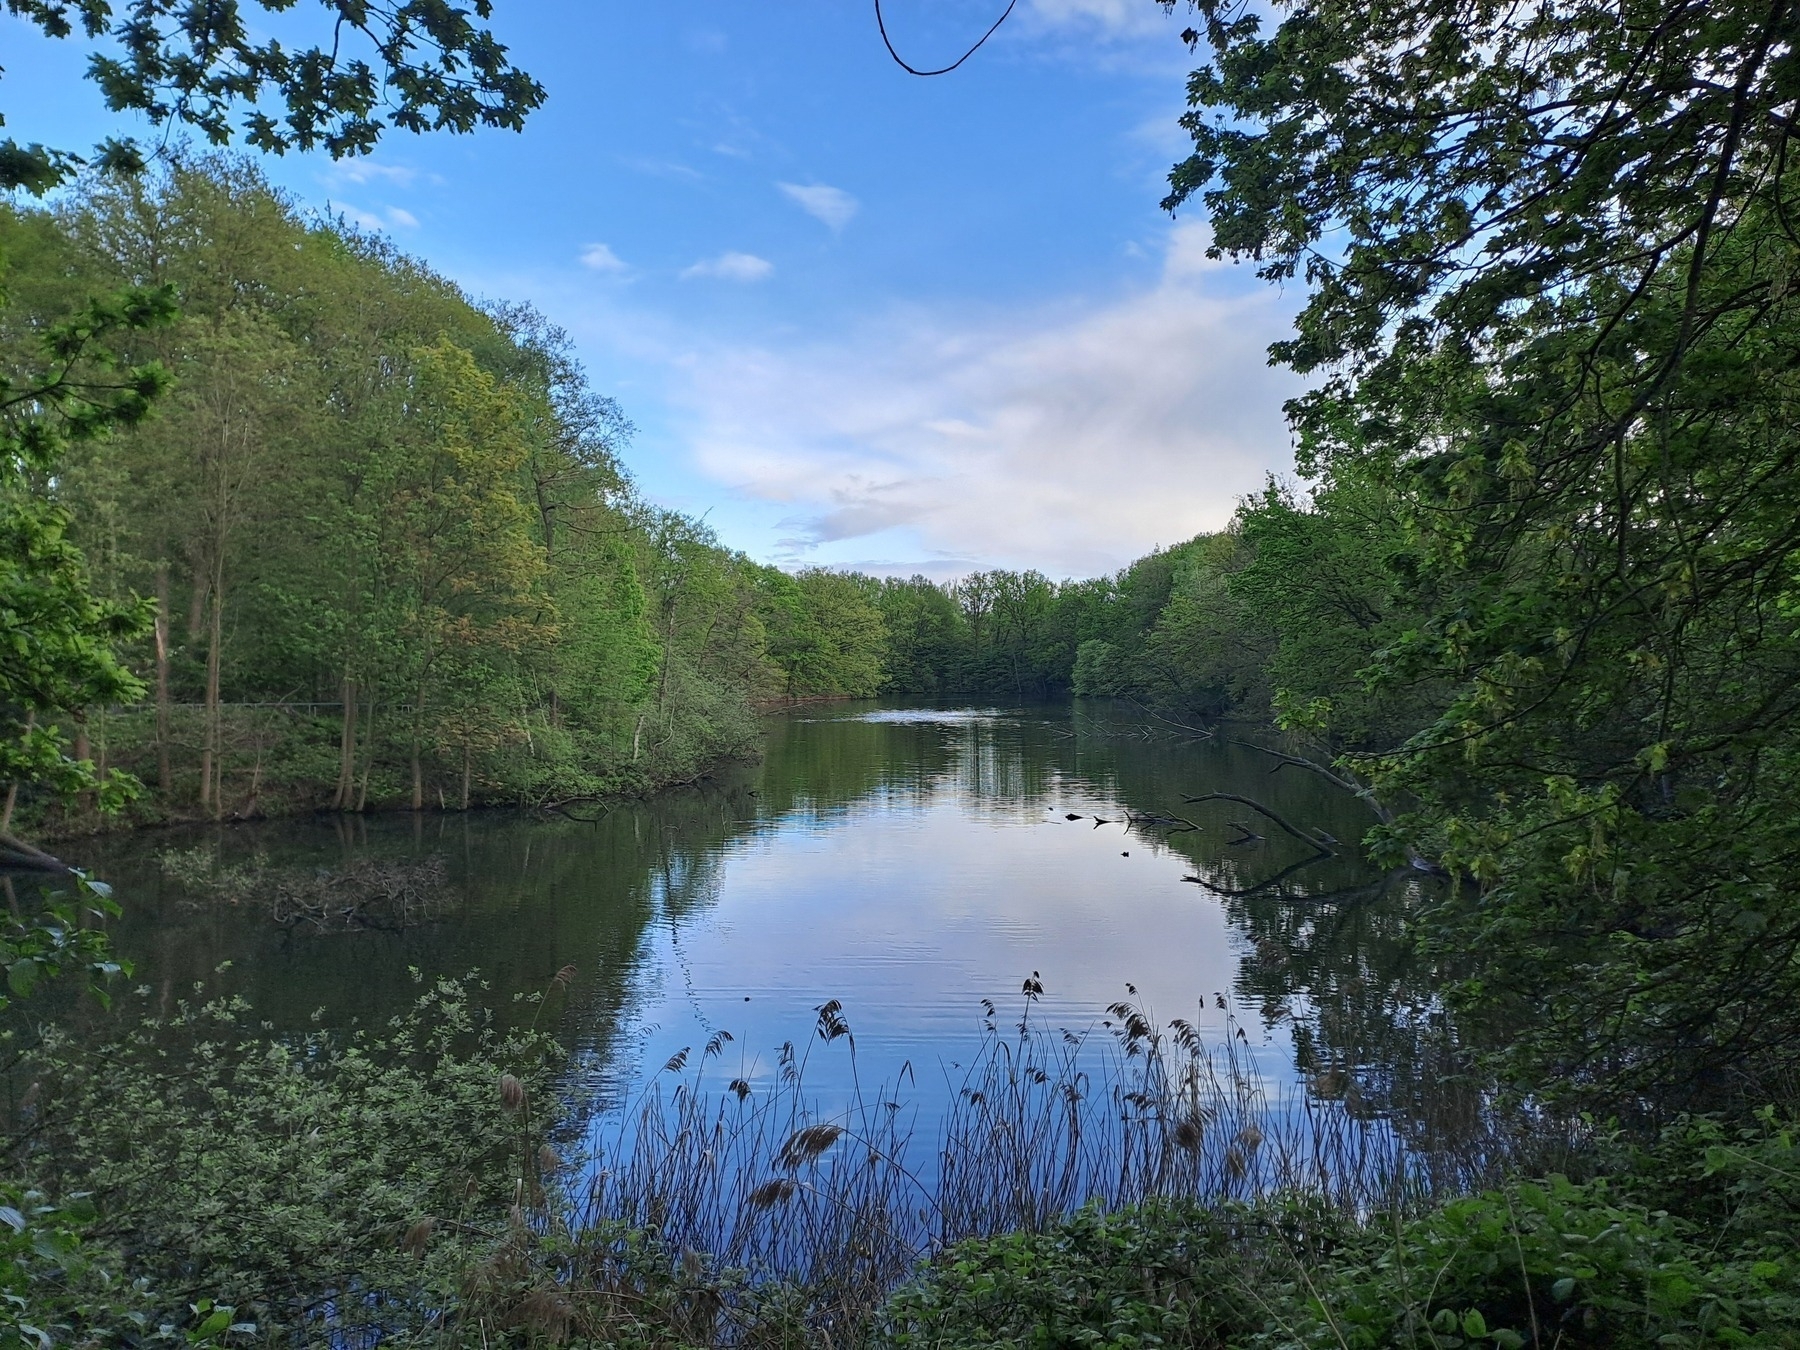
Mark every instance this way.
x=382 y=549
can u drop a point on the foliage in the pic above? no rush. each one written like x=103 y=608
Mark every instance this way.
x=1533 y=1263
x=1148 y=1276
x=352 y=1176
x=1548 y=253
x=424 y=67
x=394 y=555
x=63 y=387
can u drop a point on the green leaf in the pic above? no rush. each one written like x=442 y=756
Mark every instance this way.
x=22 y=976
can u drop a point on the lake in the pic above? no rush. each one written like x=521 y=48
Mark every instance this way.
x=908 y=862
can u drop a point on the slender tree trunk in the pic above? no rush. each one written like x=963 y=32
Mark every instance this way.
x=82 y=750
x=211 y=769
x=346 y=783
x=418 y=775
x=196 y=619
x=466 y=776
x=164 y=779
x=362 y=795
x=12 y=788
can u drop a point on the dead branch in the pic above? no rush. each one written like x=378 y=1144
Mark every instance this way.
x=15 y=852
x=1310 y=840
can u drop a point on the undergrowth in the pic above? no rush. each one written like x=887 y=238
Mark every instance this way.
x=190 y=1177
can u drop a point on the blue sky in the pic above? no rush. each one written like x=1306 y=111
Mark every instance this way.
x=859 y=318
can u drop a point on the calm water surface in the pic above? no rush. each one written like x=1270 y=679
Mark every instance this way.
x=908 y=862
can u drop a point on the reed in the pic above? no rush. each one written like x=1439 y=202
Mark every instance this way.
x=745 y=1215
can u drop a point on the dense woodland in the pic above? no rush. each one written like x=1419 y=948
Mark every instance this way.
x=390 y=552
x=392 y=558
x=287 y=521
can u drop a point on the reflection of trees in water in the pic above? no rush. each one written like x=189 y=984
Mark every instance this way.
x=1325 y=946
x=1327 y=950
x=824 y=767
x=1369 y=1028
x=531 y=894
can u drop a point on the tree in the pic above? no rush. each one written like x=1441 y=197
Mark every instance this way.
x=1549 y=251
x=432 y=69
x=825 y=631
x=418 y=65
x=57 y=638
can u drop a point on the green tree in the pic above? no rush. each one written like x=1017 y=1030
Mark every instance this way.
x=57 y=638
x=1549 y=253
x=422 y=66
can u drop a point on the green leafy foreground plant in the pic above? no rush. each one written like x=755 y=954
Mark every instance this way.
x=306 y=1182
x=1608 y=1262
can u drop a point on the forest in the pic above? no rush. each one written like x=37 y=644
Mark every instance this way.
x=382 y=552
x=288 y=522
x=376 y=546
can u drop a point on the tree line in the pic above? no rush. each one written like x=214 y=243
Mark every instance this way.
x=374 y=544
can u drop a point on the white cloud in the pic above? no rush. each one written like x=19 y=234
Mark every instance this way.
x=731 y=267
x=373 y=171
x=602 y=259
x=1067 y=440
x=662 y=168
x=379 y=222
x=1116 y=18
x=356 y=216
x=831 y=205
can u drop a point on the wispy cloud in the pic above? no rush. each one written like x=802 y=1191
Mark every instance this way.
x=730 y=267
x=362 y=171
x=602 y=259
x=1114 y=18
x=662 y=168
x=1068 y=440
x=833 y=206
x=386 y=218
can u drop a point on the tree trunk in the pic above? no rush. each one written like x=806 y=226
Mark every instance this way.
x=418 y=775
x=465 y=785
x=210 y=756
x=346 y=782
x=82 y=751
x=362 y=795
x=164 y=779
x=196 y=619
x=12 y=789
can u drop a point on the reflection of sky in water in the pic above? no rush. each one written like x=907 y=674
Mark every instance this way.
x=911 y=908
x=909 y=862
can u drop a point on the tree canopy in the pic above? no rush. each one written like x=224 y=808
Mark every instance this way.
x=1550 y=321
x=344 y=79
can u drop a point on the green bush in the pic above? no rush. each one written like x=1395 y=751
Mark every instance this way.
x=1696 y=1242
x=353 y=1179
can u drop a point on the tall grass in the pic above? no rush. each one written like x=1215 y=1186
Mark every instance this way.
x=748 y=1213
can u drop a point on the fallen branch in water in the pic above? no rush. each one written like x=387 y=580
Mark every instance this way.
x=15 y=852
x=1310 y=840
